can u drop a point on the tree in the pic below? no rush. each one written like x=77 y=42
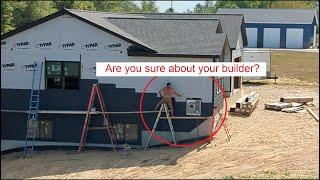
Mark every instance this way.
x=207 y=7
x=188 y=11
x=83 y=5
x=149 y=7
x=7 y=23
x=60 y=4
x=169 y=10
x=39 y=9
x=292 y=4
x=116 y=6
x=20 y=16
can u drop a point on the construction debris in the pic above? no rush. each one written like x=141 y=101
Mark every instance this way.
x=292 y=109
x=296 y=99
x=290 y=104
x=313 y=114
x=246 y=104
x=278 y=106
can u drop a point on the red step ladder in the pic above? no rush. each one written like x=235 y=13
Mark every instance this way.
x=95 y=91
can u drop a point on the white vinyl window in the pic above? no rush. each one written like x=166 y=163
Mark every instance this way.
x=220 y=79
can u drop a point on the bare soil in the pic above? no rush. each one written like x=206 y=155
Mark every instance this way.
x=301 y=66
x=268 y=144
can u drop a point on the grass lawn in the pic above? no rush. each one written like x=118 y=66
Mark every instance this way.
x=297 y=65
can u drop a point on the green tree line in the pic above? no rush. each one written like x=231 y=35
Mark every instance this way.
x=14 y=14
x=210 y=6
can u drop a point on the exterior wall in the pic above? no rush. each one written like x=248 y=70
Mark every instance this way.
x=75 y=31
x=307 y=32
x=237 y=52
x=120 y=94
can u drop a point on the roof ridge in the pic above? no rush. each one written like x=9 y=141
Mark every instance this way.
x=142 y=13
x=99 y=12
x=184 y=14
x=274 y=8
x=147 y=18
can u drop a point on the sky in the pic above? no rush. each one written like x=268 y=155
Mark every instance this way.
x=178 y=6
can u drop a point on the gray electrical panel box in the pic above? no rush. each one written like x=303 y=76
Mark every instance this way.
x=193 y=106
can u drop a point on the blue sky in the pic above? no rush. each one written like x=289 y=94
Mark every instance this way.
x=178 y=6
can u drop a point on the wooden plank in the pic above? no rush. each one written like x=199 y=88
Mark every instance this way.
x=278 y=106
x=250 y=96
x=296 y=99
x=313 y=114
x=186 y=117
x=97 y=128
x=79 y=112
x=292 y=109
x=239 y=101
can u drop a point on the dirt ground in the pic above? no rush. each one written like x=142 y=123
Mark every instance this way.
x=303 y=66
x=267 y=144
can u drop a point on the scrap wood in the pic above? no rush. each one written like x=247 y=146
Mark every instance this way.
x=292 y=109
x=313 y=114
x=293 y=104
x=246 y=98
x=253 y=99
x=250 y=96
x=239 y=101
x=296 y=99
x=278 y=106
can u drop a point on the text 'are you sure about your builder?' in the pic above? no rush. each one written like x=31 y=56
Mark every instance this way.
x=180 y=69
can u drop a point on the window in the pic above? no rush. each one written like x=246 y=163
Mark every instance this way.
x=126 y=132
x=221 y=81
x=62 y=75
x=46 y=129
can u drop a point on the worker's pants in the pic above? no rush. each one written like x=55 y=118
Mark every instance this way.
x=166 y=100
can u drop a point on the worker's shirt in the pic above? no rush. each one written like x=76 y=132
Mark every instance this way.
x=168 y=92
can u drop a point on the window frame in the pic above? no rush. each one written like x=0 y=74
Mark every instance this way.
x=220 y=79
x=125 y=140
x=62 y=75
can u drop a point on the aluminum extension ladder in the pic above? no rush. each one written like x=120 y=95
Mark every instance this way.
x=165 y=108
x=33 y=122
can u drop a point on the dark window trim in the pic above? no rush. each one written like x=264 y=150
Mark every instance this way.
x=62 y=73
x=124 y=131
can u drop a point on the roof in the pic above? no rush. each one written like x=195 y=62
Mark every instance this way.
x=274 y=16
x=231 y=24
x=175 y=36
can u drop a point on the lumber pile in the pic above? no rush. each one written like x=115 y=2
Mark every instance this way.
x=246 y=104
x=290 y=104
x=278 y=106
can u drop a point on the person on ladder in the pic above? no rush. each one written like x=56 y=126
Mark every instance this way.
x=167 y=93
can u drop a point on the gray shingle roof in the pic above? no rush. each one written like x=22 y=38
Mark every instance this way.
x=231 y=24
x=175 y=36
x=165 y=36
x=276 y=16
x=98 y=19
